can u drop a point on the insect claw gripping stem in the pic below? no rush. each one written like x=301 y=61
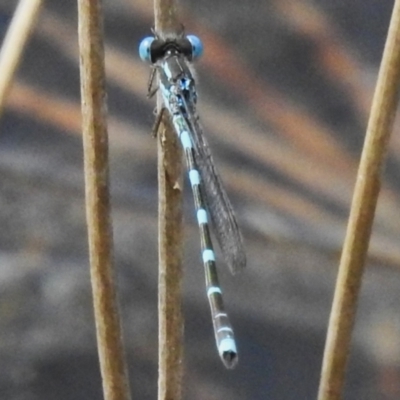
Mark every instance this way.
x=157 y=122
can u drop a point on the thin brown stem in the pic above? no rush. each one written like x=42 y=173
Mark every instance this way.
x=361 y=216
x=166 y=17
x=14 y=43
x=170 y=235
x=95 y=142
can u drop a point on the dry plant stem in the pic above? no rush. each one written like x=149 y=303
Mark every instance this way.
x=166 y=17
x=14 y=43
x=170 y=329
x=170 y=318
x=95 y=142
x=361 y=216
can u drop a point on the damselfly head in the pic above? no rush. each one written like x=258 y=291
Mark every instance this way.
x=152 y=48
x=197 y=46
x=145 y=49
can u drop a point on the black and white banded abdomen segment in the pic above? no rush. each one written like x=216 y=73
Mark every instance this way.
x=224 y=335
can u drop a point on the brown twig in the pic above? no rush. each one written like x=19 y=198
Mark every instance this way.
x=166 y=17
x=14 y=44
x=95 y=142
x=170 y=236
x=361 y=216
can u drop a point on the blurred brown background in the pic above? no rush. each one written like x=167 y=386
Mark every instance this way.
x=285 y=88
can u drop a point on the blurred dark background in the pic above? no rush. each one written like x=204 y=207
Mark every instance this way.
x=285 y=88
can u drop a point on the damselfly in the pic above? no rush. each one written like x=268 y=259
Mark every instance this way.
x=171 y=58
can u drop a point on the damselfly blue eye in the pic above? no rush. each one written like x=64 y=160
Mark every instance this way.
x=197 y=46
x=144 y=49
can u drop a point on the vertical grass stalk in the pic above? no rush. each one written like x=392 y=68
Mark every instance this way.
x=170 y=235
x=95 y=143
x=361 y=218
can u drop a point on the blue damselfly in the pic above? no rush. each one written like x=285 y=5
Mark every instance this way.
x=170 y=58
